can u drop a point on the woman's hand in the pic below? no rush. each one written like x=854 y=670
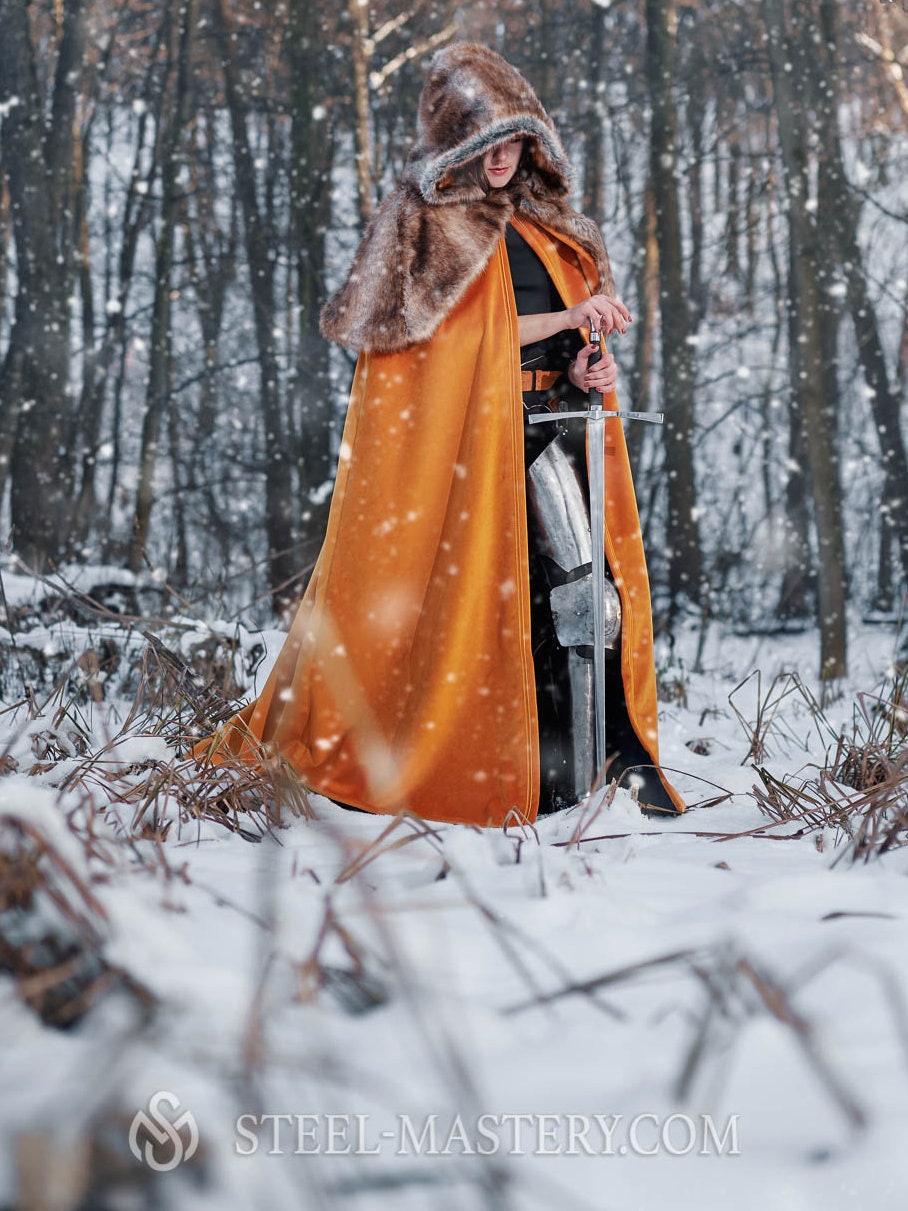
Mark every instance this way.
x=600 y=377
x=600 y=313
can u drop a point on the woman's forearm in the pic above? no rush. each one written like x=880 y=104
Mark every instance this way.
x=534 y=328
x=605 y=314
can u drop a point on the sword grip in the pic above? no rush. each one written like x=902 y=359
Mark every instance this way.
x=595 y=356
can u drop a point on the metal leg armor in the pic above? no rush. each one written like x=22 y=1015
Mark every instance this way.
x=560 y=502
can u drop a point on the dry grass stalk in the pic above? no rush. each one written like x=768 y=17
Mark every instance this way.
x=672 y=688
x=59 y=971
x=33 y=862
x=179 y=699
x=249 y=799
x=767 y=716
x=509 y=937
x=355 y=988
x=738 y=992
x=51 y=1173
x=608 y=979
x=816 y=803
x=775 y=999
x=863 y=791
x=420 y=830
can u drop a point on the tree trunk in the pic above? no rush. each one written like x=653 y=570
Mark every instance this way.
x=212 y=267
x=4 y=249
x=279 y=508
x=789 y=62
x=647 y=274
x=100 y=356
x=732 y=209
x=750 y=226
x=841 y=226
x=35 y=408
x=883 y=593
x=797 y=595
x=593 y=202
x=159 y=369
x=310 y=198
x=684 y=557
x=211 y=256
x=697 y=290
x=361 y=54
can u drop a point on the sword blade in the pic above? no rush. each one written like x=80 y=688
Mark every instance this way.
x=596 y=436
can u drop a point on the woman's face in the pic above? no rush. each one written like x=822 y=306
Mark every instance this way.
x=500 y=162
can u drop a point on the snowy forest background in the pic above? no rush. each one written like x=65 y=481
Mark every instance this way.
x=183 y=183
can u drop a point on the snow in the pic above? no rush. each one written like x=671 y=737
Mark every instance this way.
x=698 y=1012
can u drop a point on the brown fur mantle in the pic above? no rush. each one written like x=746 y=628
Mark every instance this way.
x=435 y=234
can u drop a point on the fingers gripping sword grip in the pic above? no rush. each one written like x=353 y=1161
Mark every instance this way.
x=595 y=356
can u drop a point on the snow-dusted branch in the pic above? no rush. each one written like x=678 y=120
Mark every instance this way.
x=378 y=78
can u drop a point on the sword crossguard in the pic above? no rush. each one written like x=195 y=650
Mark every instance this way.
x=539 y=418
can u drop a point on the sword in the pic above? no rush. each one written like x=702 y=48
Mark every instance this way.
x=595 y=417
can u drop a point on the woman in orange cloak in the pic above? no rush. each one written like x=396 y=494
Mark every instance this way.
x=409 y=678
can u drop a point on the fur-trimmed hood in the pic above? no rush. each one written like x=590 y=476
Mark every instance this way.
x=433 y=236
x=473 y=99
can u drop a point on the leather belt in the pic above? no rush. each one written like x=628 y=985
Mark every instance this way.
x=539 y=380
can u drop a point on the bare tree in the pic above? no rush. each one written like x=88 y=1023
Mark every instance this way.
x=683 y=540
x=312 y=160
x=158 y=391
x=279 y=509
x=790 y=47
x=212 y=262
x=841 y=223
x=38 y=156
x=100 y=353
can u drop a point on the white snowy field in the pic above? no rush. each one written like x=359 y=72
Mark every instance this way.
x=604 y=1011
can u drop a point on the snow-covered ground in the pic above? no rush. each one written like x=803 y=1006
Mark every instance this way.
x=706 y=1012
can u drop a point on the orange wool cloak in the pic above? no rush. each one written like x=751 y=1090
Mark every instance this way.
x=406 y=680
